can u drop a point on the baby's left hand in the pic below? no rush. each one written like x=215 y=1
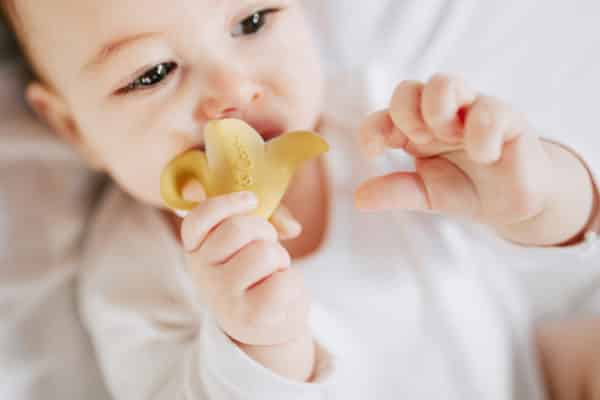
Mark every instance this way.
x=476 y=158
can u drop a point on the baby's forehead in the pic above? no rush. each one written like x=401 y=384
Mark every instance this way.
x=86 y=25
x=90 y=21
x=64 y=36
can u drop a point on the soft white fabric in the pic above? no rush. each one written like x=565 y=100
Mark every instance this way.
x=45 y=197
x=428 y=308
x=400 y=300
x=541 y=57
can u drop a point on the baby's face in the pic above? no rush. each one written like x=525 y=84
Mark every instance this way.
x=142 y=77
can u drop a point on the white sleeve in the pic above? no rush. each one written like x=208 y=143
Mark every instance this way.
x=151 y=337
x=563 y=282
x=557 y=282
x=568 y=283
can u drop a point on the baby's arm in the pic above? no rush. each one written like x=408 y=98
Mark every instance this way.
x=478 y=159
x=570 y=358
x=155 y=340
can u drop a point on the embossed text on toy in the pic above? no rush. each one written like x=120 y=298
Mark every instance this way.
x=243 y=166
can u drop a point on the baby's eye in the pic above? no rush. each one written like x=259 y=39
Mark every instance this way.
x=253 y=23
x=150 y=78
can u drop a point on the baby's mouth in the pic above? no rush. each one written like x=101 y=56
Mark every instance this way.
x=267 y=129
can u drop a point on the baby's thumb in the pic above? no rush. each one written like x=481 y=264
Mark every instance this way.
x=192 y=191
x=285 y=223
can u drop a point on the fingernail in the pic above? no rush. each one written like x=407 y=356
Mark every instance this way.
x=193 y=191
x=292 y=226
x=181 y=213
x=290 y=231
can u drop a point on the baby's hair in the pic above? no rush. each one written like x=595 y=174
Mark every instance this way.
x=7 y=5
x=8 y=13
x=10 y=19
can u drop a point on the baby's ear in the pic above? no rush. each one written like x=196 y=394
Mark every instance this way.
x=53 y=110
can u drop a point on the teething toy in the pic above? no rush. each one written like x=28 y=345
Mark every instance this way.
x=238 y=159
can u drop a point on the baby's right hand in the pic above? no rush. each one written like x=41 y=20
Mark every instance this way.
x=243 y=272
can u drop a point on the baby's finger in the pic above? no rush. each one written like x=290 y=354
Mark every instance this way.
x=232 y=235
x=489 y=124
x=373 y=132
x=437 y=186
x=397 y=139
x=400 y=190
x=192 y=191
x=254 y=264
x=443 y=98
x=405 y=112
x=450 y=191
x=285 y=223
x=212 y=212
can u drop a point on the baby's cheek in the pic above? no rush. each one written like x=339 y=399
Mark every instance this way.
x=297 y=75
x=302 y=86
x=140 y=177
x=133 y=145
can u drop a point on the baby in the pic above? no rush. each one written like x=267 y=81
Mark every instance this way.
x=322 y=300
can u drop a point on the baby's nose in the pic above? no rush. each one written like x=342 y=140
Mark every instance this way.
x=231 y=97
x=212 y=108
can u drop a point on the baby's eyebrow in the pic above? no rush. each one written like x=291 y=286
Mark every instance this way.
x=110 y=49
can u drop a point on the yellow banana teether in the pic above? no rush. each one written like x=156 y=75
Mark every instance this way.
x=237 y=159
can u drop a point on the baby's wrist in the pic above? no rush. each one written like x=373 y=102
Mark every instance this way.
x=570 y=210
x=592 y=226
x=294 y=360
